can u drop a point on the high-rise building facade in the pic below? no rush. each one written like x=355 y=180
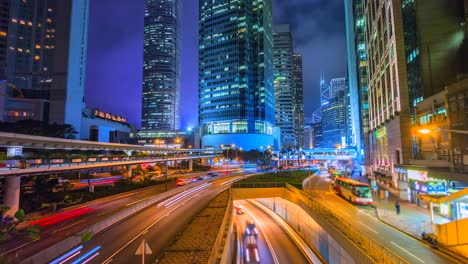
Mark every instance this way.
x=389 y=120
x=44 y=57
x=161 y=92
x=318 y=135
x=334 y=121
x=436 y=48
x=236 y=91
x=285 y=89
x=299 y=84
x=357 y=74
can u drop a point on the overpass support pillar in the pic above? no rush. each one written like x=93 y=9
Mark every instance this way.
x=14 y=151
x=190 y=165
x=128 y=170
x=12 y=194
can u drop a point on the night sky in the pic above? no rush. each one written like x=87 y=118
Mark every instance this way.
x=115 y=52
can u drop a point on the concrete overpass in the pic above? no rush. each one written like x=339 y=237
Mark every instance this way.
x=14 y=143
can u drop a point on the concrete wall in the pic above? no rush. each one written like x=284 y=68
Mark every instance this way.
x=452 y=235
x=309 y=230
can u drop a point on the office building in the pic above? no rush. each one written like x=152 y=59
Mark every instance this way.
x=285 y=90
x=318 y=135
x=334 y=126
x=357 y=75
x=336 y=85
x=308 y=136
x=389 y=120
x=236 y=90
x=161 y=92
x=299 y=85
x=44 y=59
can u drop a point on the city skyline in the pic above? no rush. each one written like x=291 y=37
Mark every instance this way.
x=109 y=57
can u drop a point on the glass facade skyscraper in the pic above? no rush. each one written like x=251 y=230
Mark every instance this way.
x=299 y=84
x=357 y=73
x=285 y=90
x=236 y=92
x=161 y=93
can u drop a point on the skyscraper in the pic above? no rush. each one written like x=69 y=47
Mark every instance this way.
x=334 y=121
x=389 y=120
x=44 y=58
x=285 y=89
x=161 y=95
x=299 y=84
x=236 y=92
x=357 y=74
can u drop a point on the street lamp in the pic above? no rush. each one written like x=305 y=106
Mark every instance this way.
x=227 y=154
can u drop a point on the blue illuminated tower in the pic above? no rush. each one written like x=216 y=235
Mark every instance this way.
x=236 y=92
x=161 y=91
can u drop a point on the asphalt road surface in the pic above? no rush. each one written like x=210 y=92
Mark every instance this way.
x=363 y=218
x=273 y=242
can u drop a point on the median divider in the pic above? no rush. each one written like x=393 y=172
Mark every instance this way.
x=74 y=240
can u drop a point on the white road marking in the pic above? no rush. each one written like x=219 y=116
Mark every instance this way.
x=63 y=228
x=130 y=204
x=409 y=253
x=25 y=244
x=371 y=229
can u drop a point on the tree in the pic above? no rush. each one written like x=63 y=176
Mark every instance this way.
x=8 y=224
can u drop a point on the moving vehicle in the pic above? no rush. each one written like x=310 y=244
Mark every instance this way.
x=354 y=191
x=239 y=210
x=180 y=182
x=212 y=174
x=251 y=229
x=251 y=251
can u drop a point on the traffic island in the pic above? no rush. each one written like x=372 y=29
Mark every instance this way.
x=195 y=244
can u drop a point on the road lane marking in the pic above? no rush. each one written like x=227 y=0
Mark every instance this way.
x=108 y=212
x=107 y=261
x=138 y=235
x=371 y=229
x=63 y=228
x=88 y=260
x=267 y=240
x=25 y=244
x=130 y=204
x=409 y=253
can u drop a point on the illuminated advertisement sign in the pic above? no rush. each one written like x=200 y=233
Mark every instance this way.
x=417 y=175
x=108 y=116
x=429 y=187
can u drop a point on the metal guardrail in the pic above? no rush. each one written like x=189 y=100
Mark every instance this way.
x=371 y=247
x=224 y=235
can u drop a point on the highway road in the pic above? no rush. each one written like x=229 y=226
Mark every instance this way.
x=157 y=224
x=72 y=220
x=273 y=242
x=364 y=219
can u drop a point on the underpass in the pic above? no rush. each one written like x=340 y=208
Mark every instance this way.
x=337 y=229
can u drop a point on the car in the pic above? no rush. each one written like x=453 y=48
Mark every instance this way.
x=251 y=229
x=252 y=255
x=180 y=182
x=212 y=174
x=200 y=178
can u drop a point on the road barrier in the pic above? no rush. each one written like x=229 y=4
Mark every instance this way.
x=223 y=248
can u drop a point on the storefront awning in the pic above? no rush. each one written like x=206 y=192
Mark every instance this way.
x=455 y=197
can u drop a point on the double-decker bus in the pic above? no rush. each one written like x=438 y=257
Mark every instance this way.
x=354 y=191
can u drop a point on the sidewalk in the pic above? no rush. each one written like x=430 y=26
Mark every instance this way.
x=413 y=219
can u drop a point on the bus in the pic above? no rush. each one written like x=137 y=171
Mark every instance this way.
x=354 y=191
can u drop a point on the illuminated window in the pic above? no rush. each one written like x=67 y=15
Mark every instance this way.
x=38 y=46
x=37 y=57
x=3 y=33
